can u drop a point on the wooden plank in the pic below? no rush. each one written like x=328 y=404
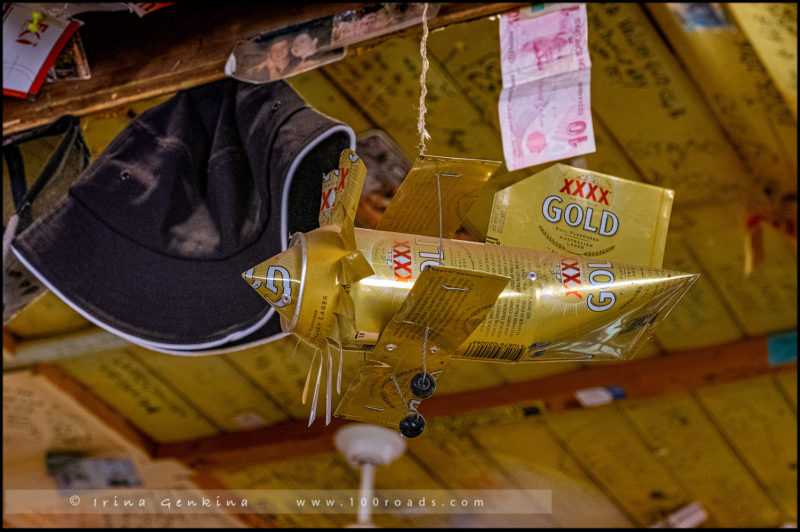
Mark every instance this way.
x=45 y=316
x=577 y=500
x=192 y=46
x=607 y=447
x=54 y=348
x=323 y=96
x=648 y=377
x=677 y=143
x=772 y=29
x=90 y=400
x=762 y=428
x=206 y=481
x=527 y=372
x=701 y=318
x=741 y=95
x=455 y=13
x=216 y=388
x=384 y=82
x=788 y=383
x=280 y=441
x=761 y=292
x=129 y=64
x=139 y=395
x=470 y=53
x=682 y=438
x=462 y=465
x=9 y=345
x=325 y=470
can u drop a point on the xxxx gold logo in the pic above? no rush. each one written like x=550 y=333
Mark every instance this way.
x=329 y=194
x=571 y=277
x=277 y=285
x=401 y=258
x=586 y=190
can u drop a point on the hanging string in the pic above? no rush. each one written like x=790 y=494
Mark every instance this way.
x=402 y=399
x=423 y=51
x=8 y=236
x=441 y=242
x=424 y=348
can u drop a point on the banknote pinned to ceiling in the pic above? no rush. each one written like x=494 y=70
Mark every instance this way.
x=544 y=107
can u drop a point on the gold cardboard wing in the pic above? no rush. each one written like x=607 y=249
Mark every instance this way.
x=415 y=206
x=442 y=309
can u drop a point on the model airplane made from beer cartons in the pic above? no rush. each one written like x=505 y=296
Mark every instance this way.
x=411 y=298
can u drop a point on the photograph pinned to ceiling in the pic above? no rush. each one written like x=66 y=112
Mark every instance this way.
x=284 y=53
x=71 y=63
x=699 y=17
x=30 y=47
x=296 y=49
x=144 y=8
x=94 y=473
x=377 y=19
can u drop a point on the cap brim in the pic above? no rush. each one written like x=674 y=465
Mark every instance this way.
x=143 y=296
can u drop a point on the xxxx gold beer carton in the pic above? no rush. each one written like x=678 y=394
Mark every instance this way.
x=575 y=211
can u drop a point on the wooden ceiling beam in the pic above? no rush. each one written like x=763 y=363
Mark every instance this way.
x=97 y=406
x=182 y=46
x=649 y=377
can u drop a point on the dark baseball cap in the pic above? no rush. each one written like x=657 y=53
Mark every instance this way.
x=152 y=238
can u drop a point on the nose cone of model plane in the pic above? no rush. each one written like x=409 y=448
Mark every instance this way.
x=279 y=281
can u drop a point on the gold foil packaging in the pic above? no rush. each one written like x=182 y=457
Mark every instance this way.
x=412 y=301
x=603 y=309
x=580 y=212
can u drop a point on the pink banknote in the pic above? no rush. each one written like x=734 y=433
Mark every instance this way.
x=545 y=106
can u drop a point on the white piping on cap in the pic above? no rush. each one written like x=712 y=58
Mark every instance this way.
x=290 y=175
x=155 y=346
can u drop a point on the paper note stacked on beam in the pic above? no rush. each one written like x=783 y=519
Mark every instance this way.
x=545 y=111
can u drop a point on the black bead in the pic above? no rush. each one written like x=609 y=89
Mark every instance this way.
x=423 y=385
x=412 y=425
